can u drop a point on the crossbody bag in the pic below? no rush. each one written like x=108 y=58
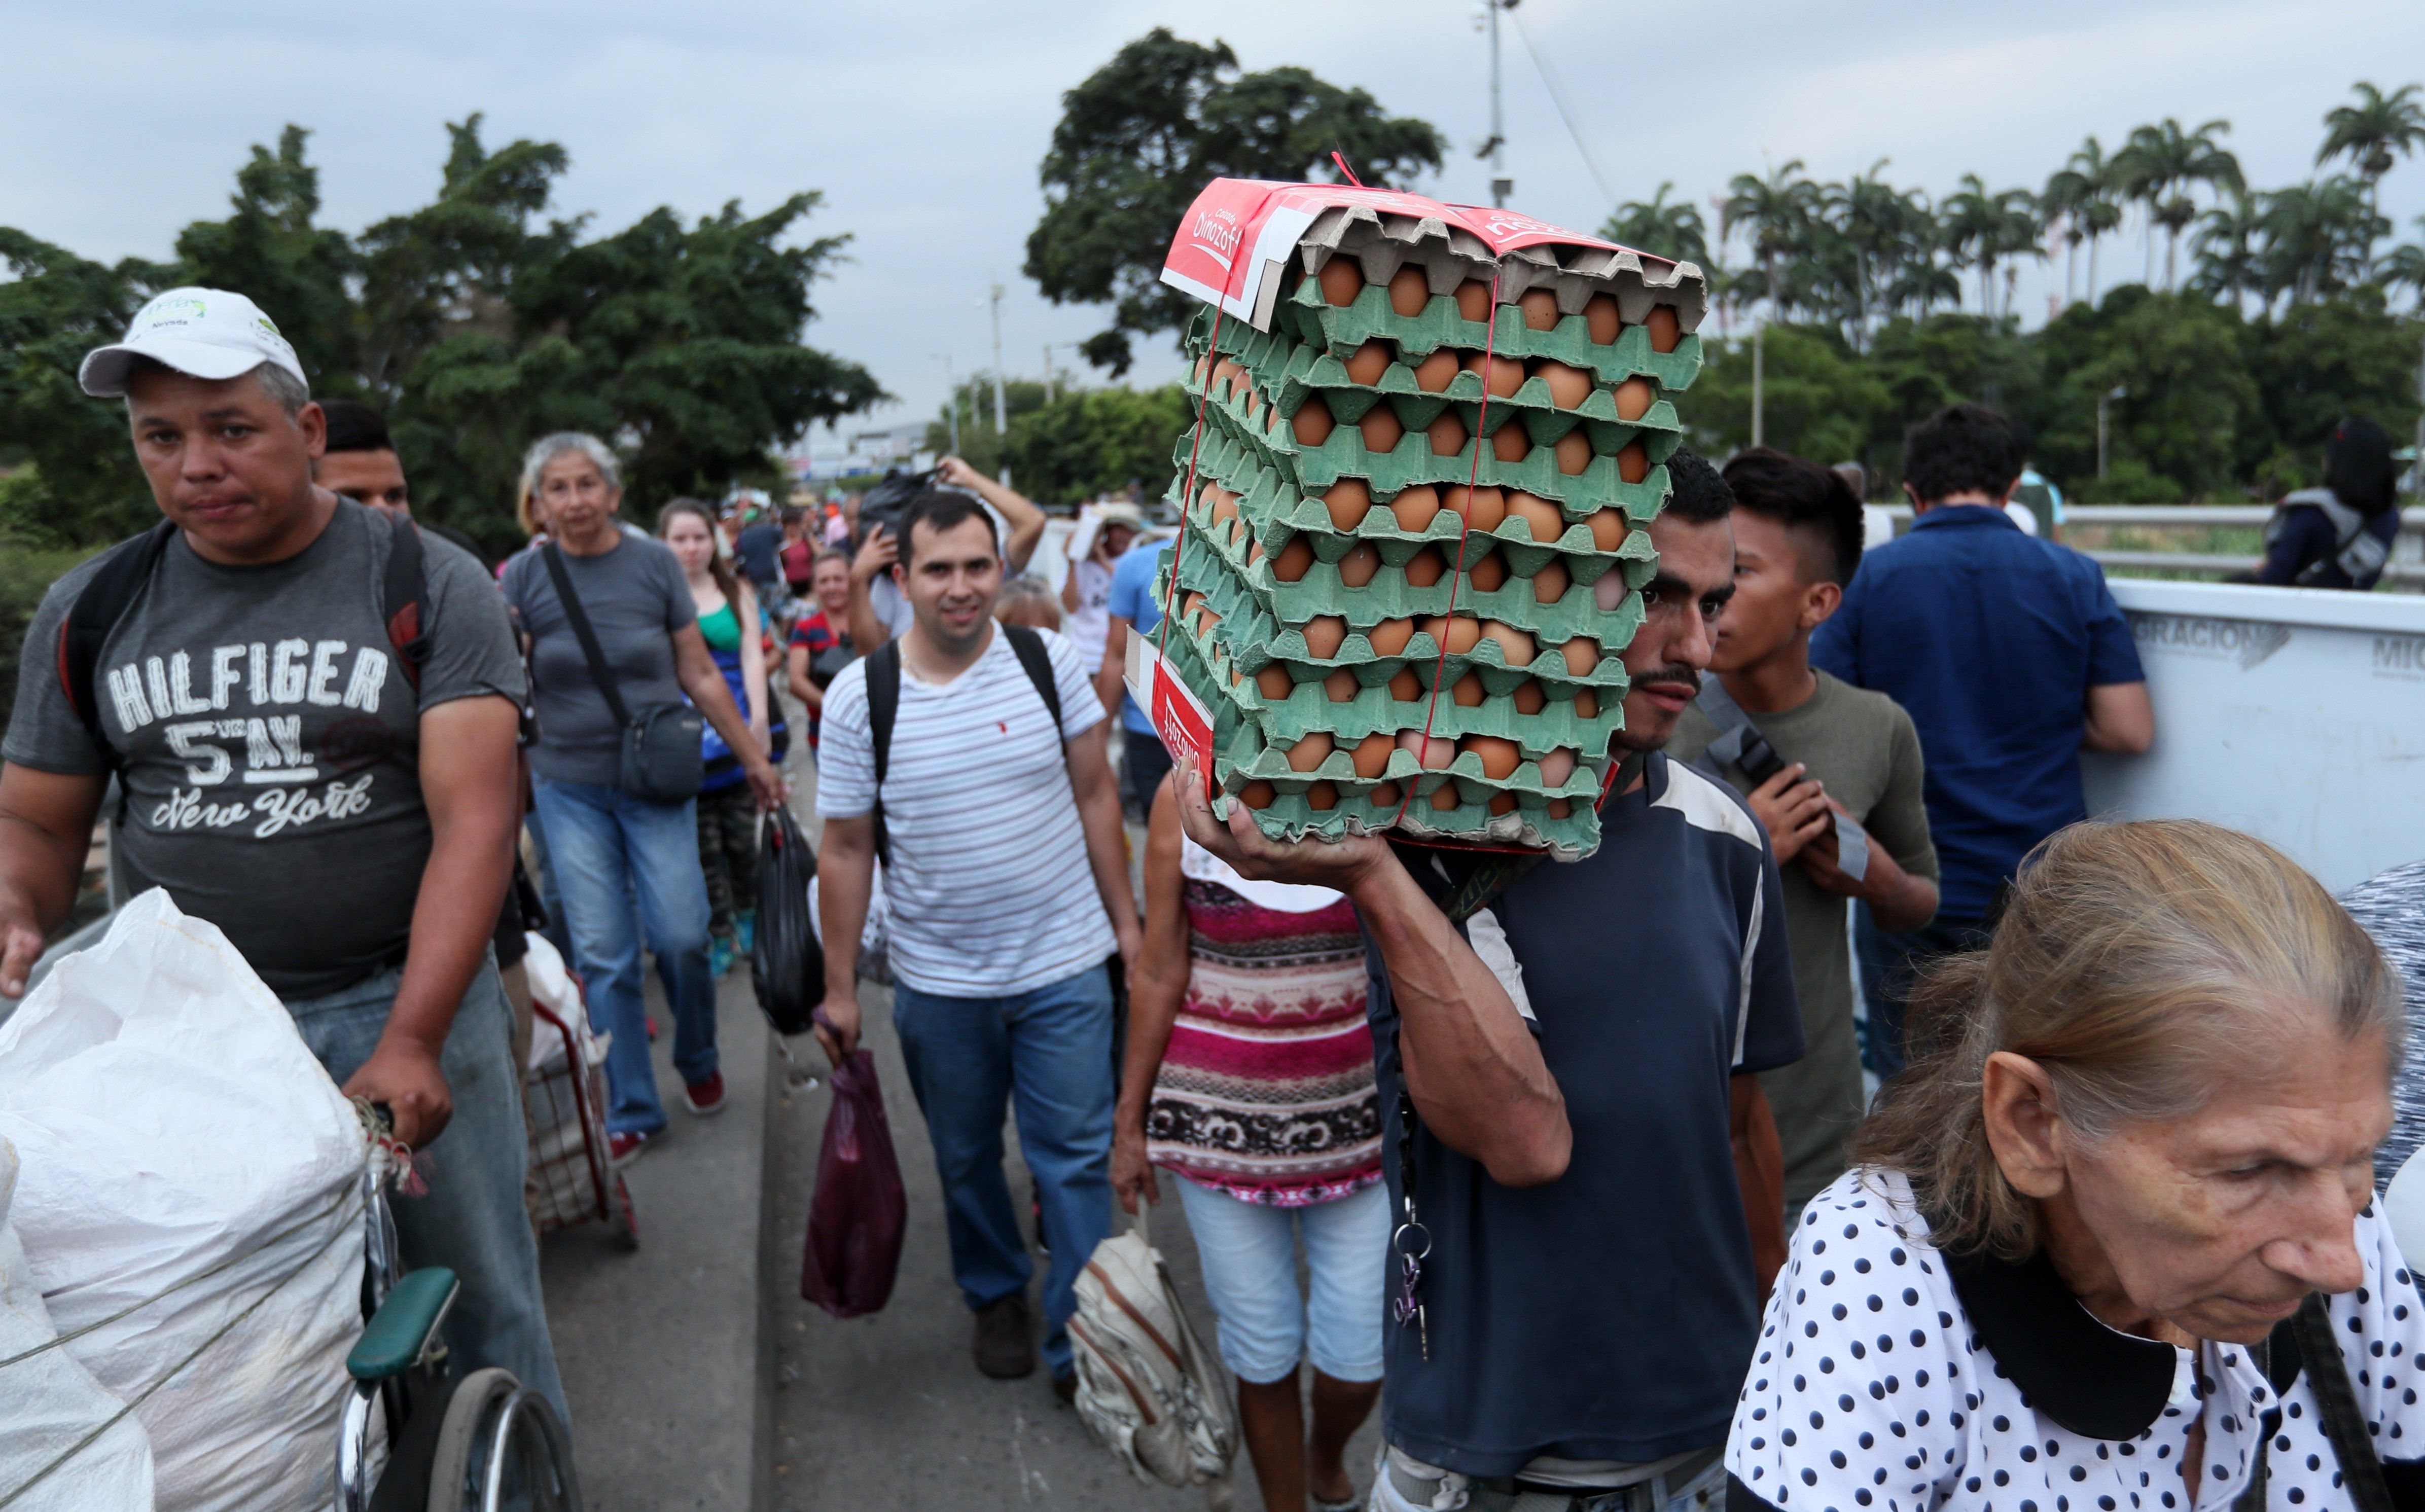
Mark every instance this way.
x=662 y=758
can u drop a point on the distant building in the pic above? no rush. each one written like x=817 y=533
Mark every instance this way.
x=832 y=451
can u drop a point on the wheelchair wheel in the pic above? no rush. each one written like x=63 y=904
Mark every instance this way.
x=501 y=1449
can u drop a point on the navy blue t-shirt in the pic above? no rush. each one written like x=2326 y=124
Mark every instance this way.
x=1610 y=1315
x=1990 y=639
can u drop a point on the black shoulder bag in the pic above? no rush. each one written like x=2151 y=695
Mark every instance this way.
x=662 y=760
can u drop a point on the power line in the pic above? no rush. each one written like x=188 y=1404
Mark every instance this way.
x=1565 y=110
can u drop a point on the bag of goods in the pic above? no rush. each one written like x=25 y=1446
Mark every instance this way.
x=190 y=1190
x=787 y=962
x=561 y=1187
x=1428 y=440
x=859 y=1211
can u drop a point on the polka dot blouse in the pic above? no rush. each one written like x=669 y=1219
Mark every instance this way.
x=1875 y=1385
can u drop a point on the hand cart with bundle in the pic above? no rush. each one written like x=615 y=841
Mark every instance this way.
x=571 y=1180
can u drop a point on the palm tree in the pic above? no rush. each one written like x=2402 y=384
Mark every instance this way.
x=1882 y=228
x=2159 y=166
x=2316 y=235
x=2227 y=247
x=2406 y=265
x=2372 y=134
x=1778 y=211
x=2080 y=193
x=1990 y=227
x=1674 y=231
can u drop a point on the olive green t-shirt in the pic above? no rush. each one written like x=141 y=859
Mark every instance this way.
x=1862 y=746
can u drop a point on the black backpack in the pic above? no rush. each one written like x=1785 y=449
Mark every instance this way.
x=126 y=571
x=884 y=704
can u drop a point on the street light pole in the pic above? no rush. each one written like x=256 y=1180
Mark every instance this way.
x=2116 y=392
x=1001 y=424
x=951 y=401
x=1501 y=185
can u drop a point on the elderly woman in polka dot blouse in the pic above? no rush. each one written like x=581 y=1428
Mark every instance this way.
x=2110 y=1243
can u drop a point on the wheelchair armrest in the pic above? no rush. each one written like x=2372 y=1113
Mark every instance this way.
x=404 y=1324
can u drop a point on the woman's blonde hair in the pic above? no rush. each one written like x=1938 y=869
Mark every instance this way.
x=2142 y=965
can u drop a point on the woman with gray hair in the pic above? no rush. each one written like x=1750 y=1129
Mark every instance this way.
x=2110 y=1242
x=612 y=635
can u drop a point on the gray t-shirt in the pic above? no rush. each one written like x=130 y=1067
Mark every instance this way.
x=1862 y=746
x=635 y=598
x=271 y=741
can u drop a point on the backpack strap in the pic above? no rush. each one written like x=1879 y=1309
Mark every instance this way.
x=1038 y=663
x=883 y=708
x=405 y=600
x=125 y=570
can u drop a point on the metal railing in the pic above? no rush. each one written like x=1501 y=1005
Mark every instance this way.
x=2407 y=568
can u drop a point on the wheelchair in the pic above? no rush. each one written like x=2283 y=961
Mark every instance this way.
x=413 y=1439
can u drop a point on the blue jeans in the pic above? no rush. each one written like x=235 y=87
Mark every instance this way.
x=472 y=1221
x=1249 y=1251
x=604 y=848
x=1052 y=1046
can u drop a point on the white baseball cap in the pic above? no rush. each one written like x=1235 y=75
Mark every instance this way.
x=205 y=333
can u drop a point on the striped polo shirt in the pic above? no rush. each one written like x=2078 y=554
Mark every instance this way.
x=987 y=891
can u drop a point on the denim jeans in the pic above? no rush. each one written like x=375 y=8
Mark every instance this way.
x=605 y=846
x=1249 y=1250
x=472 y=1221
x=967 y=1057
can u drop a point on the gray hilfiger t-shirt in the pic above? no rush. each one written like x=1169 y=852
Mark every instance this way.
x=271 y=741
x=635 y=597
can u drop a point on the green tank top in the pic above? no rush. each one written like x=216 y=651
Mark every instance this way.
x=720 y=630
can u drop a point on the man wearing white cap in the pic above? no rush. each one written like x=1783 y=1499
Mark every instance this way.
x=311 y=711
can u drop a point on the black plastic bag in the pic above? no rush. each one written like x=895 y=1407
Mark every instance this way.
x=859 y=1211
x=882 y=507
x=787 y=966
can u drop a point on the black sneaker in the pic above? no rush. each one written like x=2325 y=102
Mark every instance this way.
x=1005 y=1341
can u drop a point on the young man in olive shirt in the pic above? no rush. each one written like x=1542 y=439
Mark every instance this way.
x=1845 y=752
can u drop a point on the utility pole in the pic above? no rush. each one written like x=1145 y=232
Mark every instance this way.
x=952 y=408
x=1500 y=184
x=2116 y=392
x=1001 y=422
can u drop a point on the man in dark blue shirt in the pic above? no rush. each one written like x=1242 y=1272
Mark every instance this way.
x=1566 y=1070
x=2011 y=656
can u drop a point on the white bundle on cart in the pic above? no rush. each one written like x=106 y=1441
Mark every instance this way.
x=190 y=1192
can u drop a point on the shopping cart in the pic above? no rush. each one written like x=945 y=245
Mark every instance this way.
x=564 y=1103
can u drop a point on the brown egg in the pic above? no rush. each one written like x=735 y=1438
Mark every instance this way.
x=1253 y=399
x=1461 y=633
x=1632 y=462
x=1273 y=683
x=1432 y=753
x=1665 y=330
x=1434 y=374
x=1509 y=444
x=1311 y=424
x=1488 y=573
x=1188 y=605
x=1294 y=559
x=1203 y=368
x=1560 y=807
x=1550 y=583
x=1527 y=697
x=1237 y=531
x=1482 y=508
x=1310 y=752
x=1447 y=433
x=1541 y=517
x=1224 y=508
x=1608 y=528
x=1634 y=398
x=1414 y=507
x=1385 y=795
x=1609 y=591
x=1444 y=796
x=1390 y=636
x=1574 y=452
x=1366 y=363
x=1586 y=704
x=1504 y=803
x=1321 y=798
x=1381 y=429
x=1373 y=754
x=1236 y=677
x=1601 y=319
x=1341 y=687
x=1341 y=281
x=1425 y=567
x=1500 y=757
x=1514 y=644
x=1581 y=654
x=1404 y=686
x=1324 y=635
x=1505 y=375
x=1473 y=300
x=1408 y=293
x=1466 y=691
x=1568 y=386
x=1258 y=794
x=1254 y=553
x=1357 y=567
x=1205 y=618
x=1556 y=767
x=1348 y=500
x=1540 y=307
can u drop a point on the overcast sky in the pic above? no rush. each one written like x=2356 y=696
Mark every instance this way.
x=922 y=121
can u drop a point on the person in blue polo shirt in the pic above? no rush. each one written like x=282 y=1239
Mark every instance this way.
x=2011 y=656
x=1143 y=761
x=1580 y=1161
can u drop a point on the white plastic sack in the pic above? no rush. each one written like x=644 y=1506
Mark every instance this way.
x=49 y=1404
x=552 y=986
x=170 y=1121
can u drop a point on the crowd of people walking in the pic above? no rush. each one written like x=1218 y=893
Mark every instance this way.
x=1574 y=1170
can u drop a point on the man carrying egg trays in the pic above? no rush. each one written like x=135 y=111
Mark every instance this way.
x=1322 y=537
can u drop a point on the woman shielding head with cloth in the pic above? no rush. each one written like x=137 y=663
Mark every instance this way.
x=2100 y=1242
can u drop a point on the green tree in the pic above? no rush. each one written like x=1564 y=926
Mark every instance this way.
x=78 y=482
x=1820 y=399
x=1776 y=213
x=2313 y=365
x=1092 y=441
x=2081 y=195
x=2161 y=163
x=269 y=250
x=980 y=446
x=2372 y=134
x=2191 y=398
x=1670 y=230
x=1143 y=134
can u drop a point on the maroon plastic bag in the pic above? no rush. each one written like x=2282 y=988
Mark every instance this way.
x=859 y=1211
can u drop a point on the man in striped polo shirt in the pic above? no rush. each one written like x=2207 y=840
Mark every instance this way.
x=1006 y=888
